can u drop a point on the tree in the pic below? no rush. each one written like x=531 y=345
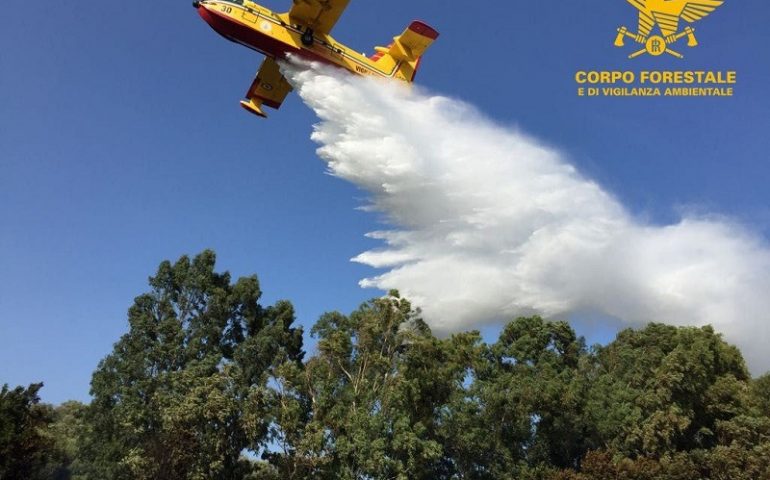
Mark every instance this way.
x=67 y=431
x=523 y=410
x=673 y=403
x=664 y=389
x=760 y=389
x=206 y=373
x=375 y=395
x=183 y=392
x=25 y=450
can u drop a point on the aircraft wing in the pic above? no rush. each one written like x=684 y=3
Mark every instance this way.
x=320 y=15
x=269 y=87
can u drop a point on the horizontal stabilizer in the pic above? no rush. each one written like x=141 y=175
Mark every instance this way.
x=269 y=88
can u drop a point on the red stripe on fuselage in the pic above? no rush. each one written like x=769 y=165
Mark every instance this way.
x=248 y=36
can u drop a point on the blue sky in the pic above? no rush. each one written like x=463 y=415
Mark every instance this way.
x=122 y=144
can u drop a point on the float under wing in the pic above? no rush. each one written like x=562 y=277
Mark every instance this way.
x=269 y=88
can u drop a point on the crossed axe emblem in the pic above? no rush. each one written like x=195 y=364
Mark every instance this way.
x=655 y=44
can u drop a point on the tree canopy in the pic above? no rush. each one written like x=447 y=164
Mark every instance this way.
x=209 y=383
x=186 y=390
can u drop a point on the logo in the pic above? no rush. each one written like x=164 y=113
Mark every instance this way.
x=662 y=24
x=666 y=14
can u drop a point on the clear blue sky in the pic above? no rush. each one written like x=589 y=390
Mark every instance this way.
x=122 y=144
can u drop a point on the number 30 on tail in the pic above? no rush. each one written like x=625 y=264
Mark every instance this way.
x=304 y=31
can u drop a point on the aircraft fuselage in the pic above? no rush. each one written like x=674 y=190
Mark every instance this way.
x=272 y=34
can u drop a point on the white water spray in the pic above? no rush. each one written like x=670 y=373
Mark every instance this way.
x=490 y=224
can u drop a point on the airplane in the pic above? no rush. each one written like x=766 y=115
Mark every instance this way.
x=305 y=32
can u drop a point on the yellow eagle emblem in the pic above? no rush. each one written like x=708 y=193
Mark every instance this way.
x=666 y=14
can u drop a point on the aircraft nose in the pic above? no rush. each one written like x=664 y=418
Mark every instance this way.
x=196 y=4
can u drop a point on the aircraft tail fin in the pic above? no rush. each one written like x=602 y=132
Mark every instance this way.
x=409 y=47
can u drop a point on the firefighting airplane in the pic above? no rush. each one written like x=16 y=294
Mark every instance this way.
x=304 y=31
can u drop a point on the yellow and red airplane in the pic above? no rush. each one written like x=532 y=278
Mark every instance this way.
x=304 y=31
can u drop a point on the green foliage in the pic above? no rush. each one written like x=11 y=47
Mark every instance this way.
x=66 y=431
x=205 y=373
x=185 y=391
x=374 y=396
x=383 y=398
x=524 y=409
x=25 y=449
x=664 y=389
x=38 y=441
x=761 y=394
x=719 y=463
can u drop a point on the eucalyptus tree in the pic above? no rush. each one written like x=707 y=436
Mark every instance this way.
x=187 y=389
x=375 y=395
